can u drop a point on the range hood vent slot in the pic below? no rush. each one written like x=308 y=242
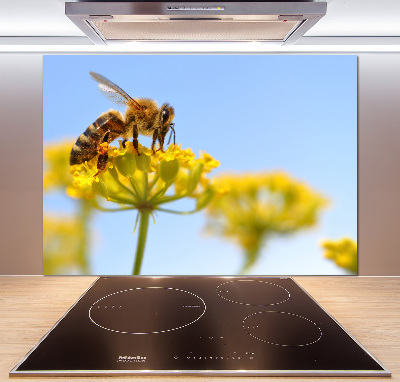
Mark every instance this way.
x=195 y=19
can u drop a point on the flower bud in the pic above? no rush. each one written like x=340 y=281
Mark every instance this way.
x=143 y=162
x=113 y=172
x=126 y=164
x=100 y=188
x=168 y=170
x=204 y=199
x=195 y=177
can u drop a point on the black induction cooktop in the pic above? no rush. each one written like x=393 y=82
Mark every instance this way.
x=197 y=325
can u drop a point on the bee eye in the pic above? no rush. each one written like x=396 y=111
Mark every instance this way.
x=164 y=116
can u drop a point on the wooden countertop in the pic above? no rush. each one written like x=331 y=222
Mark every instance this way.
x=367 y=307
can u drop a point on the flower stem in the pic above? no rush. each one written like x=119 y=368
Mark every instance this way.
x=252 y=254
x=176 y=212
x=168 y=199
x=156 y=177
x=134 y=193
x=135 y=188
x=143 y=228
x=84 y=216
x=159 y=194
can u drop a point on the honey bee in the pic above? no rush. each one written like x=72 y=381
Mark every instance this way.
x=142 y=116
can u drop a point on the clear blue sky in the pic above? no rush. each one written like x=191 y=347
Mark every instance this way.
x=296 y=113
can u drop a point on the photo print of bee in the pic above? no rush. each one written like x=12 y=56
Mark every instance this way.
x=200 y=164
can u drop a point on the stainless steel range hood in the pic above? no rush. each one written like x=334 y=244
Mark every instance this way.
x=280 y=22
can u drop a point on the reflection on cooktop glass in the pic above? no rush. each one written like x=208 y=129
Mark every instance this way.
x=198 y=325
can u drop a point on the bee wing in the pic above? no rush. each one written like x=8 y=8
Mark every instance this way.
x=114 y=92
x=113 y=95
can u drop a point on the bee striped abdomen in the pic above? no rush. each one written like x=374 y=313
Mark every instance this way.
x=86 y=146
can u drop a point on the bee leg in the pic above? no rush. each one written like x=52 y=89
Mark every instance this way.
x=103 y=154
x=135 y=139
x=172 y=132
x=124 y=143
x=153 y=143
x=101 y=163
x=161 y=140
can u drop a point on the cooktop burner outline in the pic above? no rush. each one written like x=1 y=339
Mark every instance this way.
x=215 y=344
x=158 y=288
x=271 y=313
x=231 y=282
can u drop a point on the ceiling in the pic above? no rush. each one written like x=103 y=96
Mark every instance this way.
x=357 y=18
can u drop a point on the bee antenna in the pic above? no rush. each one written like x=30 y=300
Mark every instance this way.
x=172 y=131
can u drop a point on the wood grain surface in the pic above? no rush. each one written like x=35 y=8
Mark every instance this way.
x=367 y=307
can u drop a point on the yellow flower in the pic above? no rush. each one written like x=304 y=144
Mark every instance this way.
x=57 y=175
x=175 y=152
x=63 y=245
x=144 y=180
x=84 y=177
x=65 y=238
x=56 y=165
x=209 y=162
x=343 y=252
x=251 y=207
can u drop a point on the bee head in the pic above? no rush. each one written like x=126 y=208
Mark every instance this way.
x=167 y=114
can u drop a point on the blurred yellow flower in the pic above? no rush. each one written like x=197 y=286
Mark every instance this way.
x=343 y=252
x=56 y=165
x=249 y=208
x=63 y=245
x=56 y=171
x=65 y=237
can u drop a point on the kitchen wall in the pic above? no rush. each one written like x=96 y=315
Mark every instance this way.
x=21 y=164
